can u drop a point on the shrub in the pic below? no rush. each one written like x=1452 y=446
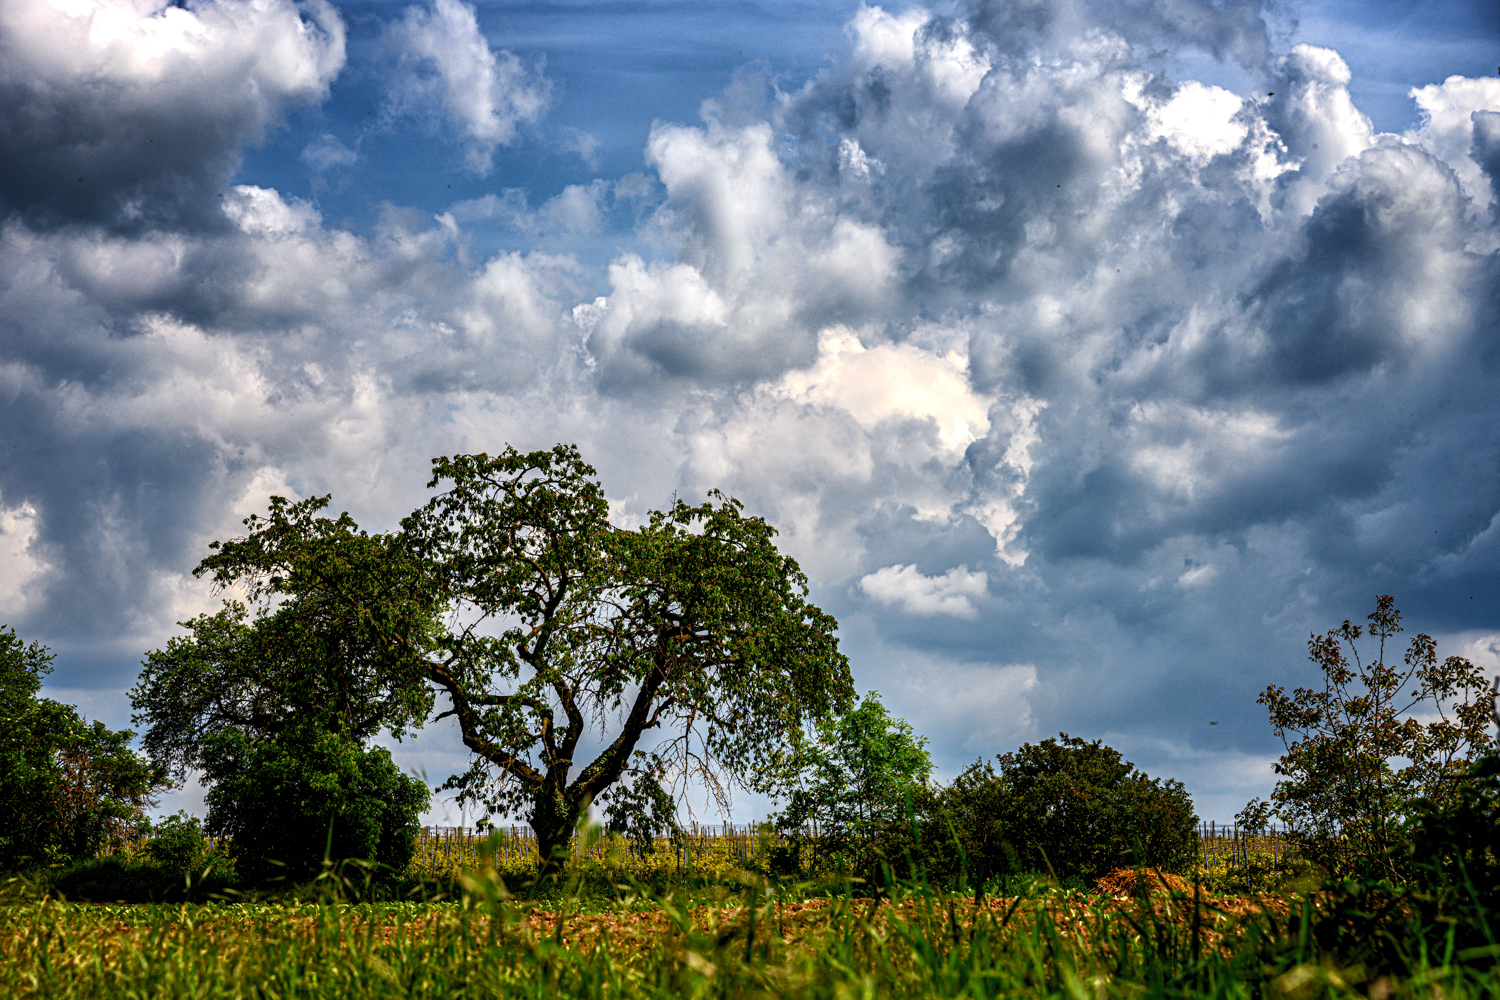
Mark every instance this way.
x=177 y=845
x=116 y=879
x=1074 y=809
x=1456 y=844
x=288 y=803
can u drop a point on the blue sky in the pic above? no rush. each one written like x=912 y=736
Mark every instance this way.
x=1088 y=353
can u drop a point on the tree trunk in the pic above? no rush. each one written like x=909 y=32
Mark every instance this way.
x=553 y=819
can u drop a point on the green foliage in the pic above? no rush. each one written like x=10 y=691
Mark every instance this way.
x=1064 y=806
x=177 y=844
x=512 y=595
x=1456 y=844
x=1358 y=759
x=68 y=788
x=305 y=663
x=287 y=802
x=22 y=668
x=118 y=879
x=853 y=780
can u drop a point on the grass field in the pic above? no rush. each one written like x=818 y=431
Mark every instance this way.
x=722 y=943
x=626 y=925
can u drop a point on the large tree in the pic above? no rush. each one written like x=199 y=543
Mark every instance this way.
x=537 y=622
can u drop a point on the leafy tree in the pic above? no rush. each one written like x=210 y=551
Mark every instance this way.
x=854 y=777
x=285 y=802
x=68 y=788
x=302 y=664
x=1358 y=759
x=969 y=815
x=177 y=845
x=512 y=595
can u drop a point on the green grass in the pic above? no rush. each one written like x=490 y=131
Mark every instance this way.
x=720 y=943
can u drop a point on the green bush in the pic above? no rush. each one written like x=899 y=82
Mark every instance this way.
x=177 y=845
x=1066 y=807
x=1457 y=843
x=115 y=879
x=286 y=803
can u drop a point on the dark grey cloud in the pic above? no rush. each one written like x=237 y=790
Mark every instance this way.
x=136 y=118
x=1487 y=146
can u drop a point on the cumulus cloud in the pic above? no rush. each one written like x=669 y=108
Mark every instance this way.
x=740 y=226
x=1062 y=377
x=196 y=365
x=906 y=587
x=886 y=381
x=447 y=66
x=135 y=113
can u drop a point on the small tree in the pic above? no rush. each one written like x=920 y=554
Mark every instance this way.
x=68 y=788
x=177 y=846
x=287 y=802
x=515 y=599
x=1358 y=759
x=854 y=777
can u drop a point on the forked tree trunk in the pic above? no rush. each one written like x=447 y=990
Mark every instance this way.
x=553 y=820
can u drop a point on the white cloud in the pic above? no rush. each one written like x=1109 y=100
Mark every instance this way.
x=1200 y=121
x=20 y=564
x=574 y=211
x=892 y=381
x=326 y=152
x=761 y=263
x=1447 y=128
x=906 y=587
x=215 y=53
x=447 y=64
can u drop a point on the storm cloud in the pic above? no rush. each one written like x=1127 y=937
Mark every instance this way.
x=1083 y=392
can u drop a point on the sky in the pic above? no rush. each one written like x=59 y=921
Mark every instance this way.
x=1087 y=354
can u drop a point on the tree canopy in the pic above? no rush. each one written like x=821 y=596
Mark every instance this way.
x=853 y=778
x=289 y=804
x=1359 y=755
x=303 y=663
x=544 y=629
x=68 y=787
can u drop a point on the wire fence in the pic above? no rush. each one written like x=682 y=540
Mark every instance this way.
x=698 y=843
x=1219 y=845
